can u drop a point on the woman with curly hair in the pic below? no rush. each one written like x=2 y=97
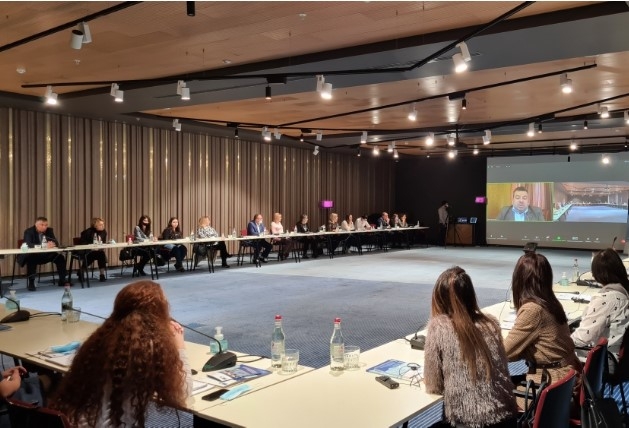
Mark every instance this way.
x=137 y=355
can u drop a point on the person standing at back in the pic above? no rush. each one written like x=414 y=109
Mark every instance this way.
x=464 y=357
x=443 y=214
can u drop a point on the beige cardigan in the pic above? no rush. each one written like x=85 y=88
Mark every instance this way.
x=468 y=403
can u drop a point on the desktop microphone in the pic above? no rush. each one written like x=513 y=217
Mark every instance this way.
x=222 y=360
x=17 y=316
x=418 y=341
x=614 y=243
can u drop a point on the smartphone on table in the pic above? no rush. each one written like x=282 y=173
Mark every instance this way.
x=214 y=395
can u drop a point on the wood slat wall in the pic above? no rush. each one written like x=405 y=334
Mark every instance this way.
x=71 y=169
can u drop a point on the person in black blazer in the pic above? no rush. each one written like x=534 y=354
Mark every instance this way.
x=33 y=238
x=95 y=231
x=256 y=228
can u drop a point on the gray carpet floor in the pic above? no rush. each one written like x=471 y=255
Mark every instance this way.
x=379 y=296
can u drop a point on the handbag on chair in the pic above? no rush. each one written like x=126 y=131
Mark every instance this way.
x=599 y=412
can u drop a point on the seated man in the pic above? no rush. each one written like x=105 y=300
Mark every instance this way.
x=384 y=222
x=33 y=237
x=256 y=228
x=96 y=232
x=520 y=210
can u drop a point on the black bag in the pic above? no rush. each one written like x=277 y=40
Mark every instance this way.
x=125 y=254
x=598 y=412
x=159 y=260
x=531 y=397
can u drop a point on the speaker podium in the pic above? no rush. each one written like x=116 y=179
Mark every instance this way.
x=460 y=234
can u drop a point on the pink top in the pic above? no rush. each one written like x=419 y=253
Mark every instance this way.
x=277 y=228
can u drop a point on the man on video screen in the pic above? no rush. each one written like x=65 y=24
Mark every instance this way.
x=520 y=210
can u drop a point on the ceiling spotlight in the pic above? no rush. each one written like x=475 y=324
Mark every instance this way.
x=585 y=124
x=452 y=154
x=116 y=93
x=319 y=135
x=531 y=130
x=190 y=8
x=603 y=111
x=475 y=151
x=464 y=104
x=176 y=125
x=267 y=92
x=461 y=59
x=277 y=134
x=363 y=137
x=487 y=137
x=324 y=89
x=627 y=117
x=450 y=139
x=183 y=90
x=51 y=97
x=236 y=133
x=539 y=128
x=605 y=159
x=358 y=151
x=412 y=114
x=376 y=152
x=266 y=134
x=391 y=147
x=301 y=137
x=80 y=36
x=315 y=151
x=566 y=84
x=573 y=145
x=430 y=139
x=395 y=154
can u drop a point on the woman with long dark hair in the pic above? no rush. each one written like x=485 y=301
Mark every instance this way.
x=464 y=353
x=178 y=251
x=607 y=314
x=540 y=334
x=136 y=356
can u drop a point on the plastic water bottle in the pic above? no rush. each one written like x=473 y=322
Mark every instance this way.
x=44 y=241
x=278 y=341
x=295 y=229
x=575 y=271
x=564 y=280
x=95 y=240
x=337 y=347
x=234 y=234
x=66 y=303
x=192 y=235
x=214 y=347
x=14 y=303
x=151 y=237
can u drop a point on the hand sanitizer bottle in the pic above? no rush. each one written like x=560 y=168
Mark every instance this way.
x=214 y=348
x=564 y=280
x=13 y=302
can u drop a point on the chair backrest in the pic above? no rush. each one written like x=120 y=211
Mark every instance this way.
x=20 y=242
x=129 y=236
x=621 y=371
x=76 y=240
x=594 y=368
x=26 y=415
x=553 y=405
x=243 y=232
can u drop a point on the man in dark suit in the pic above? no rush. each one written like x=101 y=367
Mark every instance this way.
x=256 y=228
x=521 y=210
x=33 y=237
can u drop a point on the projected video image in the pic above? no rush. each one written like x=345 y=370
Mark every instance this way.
x=520 y=201
x=591 y=202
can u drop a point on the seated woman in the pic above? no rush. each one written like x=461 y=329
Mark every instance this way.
x=333 y=226
x=142 y=233
x=284 y=243
x=465 y=359
x=352 y=240
x=607 y=314
x=95 y=232
x=308 y=241
x=205 y=230
x=178 y=251
x=136 y=356
x=540 y=334
x=402 y=222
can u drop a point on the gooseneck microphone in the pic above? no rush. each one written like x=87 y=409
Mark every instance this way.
x=17 y=316
x=222 y=360
x=614 y=243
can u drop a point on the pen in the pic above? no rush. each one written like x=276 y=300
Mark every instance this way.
x=10 y=378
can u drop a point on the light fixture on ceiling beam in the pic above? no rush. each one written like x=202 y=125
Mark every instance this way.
x=391 y=147
x=80 y=36
x=531 y=130
x=487 y=137
x=267 y=92
x=236 y=133
x=266 y=134
x=461 y=59
x=363 y=137
x=450 y=139
x=464 y=104
x=182 y=90
x=116 y=93
x=395 y=154
x=190 y=8
x=573 y=145
x=430 y=139
x=605 y=159
x=376 y=151
x=324 y=89
x=475 y=152
x=315 y=151
x=412 y=113
x=51 y=97
x=277 y=134
x=603 y=111
x=452 y=154
x=301 y=137
x=357 y=151
x=539 y=128
x=319 y=136
x=176 y=125
x=626 y=115
x=585 y=124
x=565 y=83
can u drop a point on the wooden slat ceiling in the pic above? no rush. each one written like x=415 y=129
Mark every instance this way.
x=157 y=39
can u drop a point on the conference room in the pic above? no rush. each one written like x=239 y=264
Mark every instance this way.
x=227 y=110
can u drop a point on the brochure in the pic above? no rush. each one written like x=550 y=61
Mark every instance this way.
x=398 y=369
x=236 y=374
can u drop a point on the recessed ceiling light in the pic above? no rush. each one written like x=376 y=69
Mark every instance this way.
x=20 y=70
x=302 y=16
x=227 y=61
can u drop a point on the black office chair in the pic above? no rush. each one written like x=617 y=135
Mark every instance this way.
x=201 y=250
x=246 y=246
x=15 y=262
x=80 y=258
